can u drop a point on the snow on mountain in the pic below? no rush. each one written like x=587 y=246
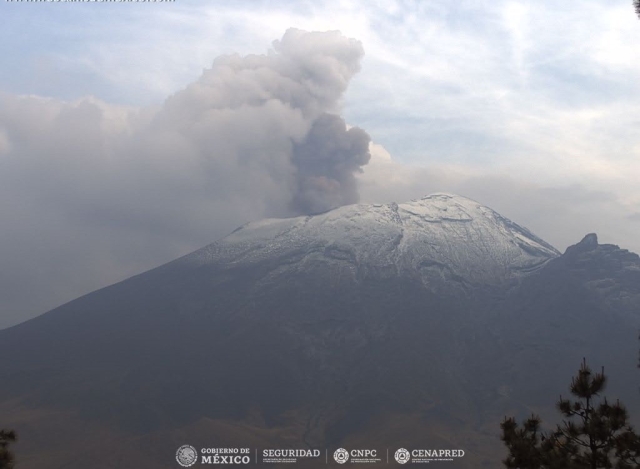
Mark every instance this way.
x=388 y=324
x=438 y=236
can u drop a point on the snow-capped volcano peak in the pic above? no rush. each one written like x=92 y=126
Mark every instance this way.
x=440 y=236
x=443 y=206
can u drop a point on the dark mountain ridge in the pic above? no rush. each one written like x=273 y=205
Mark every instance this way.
x=421 y=323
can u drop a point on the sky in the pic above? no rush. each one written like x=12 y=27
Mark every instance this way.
x=134 y=133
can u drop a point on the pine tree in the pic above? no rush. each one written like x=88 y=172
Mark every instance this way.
x=636 y=4
x=593 y=433
x=6 y=456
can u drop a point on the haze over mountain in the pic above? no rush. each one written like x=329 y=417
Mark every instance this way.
x=417 y=324
x=157 y=132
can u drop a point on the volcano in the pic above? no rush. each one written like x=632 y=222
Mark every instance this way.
x=419 y=324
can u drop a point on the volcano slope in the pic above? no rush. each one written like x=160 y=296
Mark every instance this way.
x=415 y=325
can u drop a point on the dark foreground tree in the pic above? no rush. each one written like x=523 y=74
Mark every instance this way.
x=6 y=456
x=593 y=433
x=636 y=4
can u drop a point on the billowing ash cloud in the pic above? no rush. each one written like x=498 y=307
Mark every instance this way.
x=99 y=192
x=268 y=117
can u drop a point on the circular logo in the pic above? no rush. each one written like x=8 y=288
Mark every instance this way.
x=341 y=456
x=186 y=455
x=402 y=456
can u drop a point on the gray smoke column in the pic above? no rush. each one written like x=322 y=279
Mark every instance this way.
x=326 y=162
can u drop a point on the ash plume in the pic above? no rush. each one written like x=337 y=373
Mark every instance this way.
x=104 y=191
